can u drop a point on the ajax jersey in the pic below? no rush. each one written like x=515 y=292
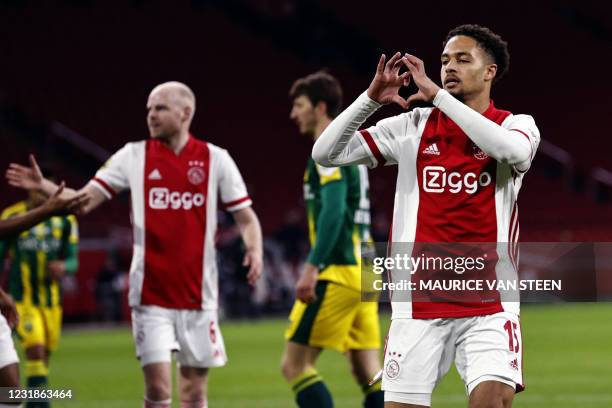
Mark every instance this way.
x=449 y=191
x=174 y=216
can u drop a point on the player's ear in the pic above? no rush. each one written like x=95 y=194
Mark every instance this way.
x=321 y=108
x=490 y=72
x=187 y=113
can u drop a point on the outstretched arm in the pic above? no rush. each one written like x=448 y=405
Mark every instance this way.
x=56 y=204
x=337 y=145
x=31 y=178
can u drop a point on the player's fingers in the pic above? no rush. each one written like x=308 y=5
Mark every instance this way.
x=405 y=78
x=254 y=275
x=299 y=293
x=400 y=101
x=416 y=61
x=410 y=65
x=77 y=203
x=414 y=98
x=391 y=63
x=381 y=64
x=397 y=65
x=18 y=167
x=246 y=261
x=312 y=296
x=33 y=163
x=12 y=175
x=60 y=189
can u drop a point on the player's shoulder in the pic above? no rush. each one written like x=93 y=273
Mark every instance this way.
x=213 y=148
x=133 y=147
x=521 y=119
x=137 y=144
x=14 y=209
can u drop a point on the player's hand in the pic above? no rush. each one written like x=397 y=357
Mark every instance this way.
x=427 y=88
x=305 y=288
x=56 y=269
x=8 y=309
x=254 y=260
x=385 y=86
x=56 y=204
x=27 y=178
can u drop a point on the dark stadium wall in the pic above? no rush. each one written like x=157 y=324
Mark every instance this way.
x=91 y=67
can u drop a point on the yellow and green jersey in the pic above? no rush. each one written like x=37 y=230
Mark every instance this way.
x=338 y=211
x=53 y=239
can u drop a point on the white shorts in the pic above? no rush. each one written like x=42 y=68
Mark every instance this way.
x=419 y=353
x=194 y=334
x=8 y=355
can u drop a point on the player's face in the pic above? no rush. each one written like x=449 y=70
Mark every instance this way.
x=465 y=67
x=165 y=114
x=304 y=115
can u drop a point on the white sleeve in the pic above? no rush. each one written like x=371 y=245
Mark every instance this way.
x=502 y=144
x=113 y=176
x=233 y=191
x=383 y=140
x=524 y=126
x=340 y=143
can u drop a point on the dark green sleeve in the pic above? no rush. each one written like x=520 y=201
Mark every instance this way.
x=70 y=242
x=330 y=220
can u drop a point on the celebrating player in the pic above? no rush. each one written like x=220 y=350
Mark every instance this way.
x=54 y=205
x=440 y=152
x=329 y=312
x=39 y=258
x=174 y=180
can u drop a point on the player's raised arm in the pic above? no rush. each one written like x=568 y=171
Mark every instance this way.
x=336 y=146
x=513 y=146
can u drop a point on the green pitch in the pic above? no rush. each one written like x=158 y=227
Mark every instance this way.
x=568 y=363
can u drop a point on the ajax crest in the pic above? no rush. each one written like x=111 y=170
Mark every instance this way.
x=479 y=154
x=196 y=175
x=392 y=369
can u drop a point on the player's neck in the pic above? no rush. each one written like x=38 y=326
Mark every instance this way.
x=321 y=125
x=177 y=142
x=479 y=103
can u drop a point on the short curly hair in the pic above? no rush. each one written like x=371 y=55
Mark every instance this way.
x=320 y=86
x=490 y=42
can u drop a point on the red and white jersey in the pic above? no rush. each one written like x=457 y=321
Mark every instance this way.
x=448 y=190
x=174 y=217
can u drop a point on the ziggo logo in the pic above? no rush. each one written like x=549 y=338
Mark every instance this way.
x=437 y=180
x=160 y=198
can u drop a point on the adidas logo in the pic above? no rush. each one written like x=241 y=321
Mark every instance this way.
x=155 y=175
x=432 y=149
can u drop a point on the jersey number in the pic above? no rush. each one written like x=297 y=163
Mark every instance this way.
x=513 y=341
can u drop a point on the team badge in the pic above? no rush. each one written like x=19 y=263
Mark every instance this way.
x=392 y=369
x=196 y=175
x=479 y=154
